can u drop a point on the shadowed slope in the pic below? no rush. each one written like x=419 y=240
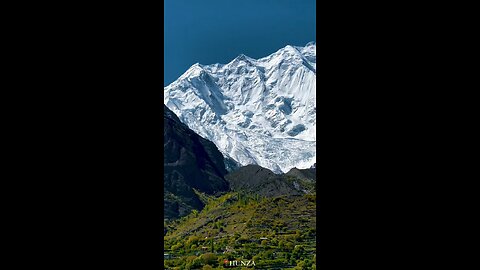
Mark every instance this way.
x=190 y=162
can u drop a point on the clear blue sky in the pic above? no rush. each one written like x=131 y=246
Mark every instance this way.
x=216 y=31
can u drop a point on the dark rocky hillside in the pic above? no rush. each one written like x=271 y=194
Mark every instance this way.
x=258 y=180
x=309 y=174
x=190 y=162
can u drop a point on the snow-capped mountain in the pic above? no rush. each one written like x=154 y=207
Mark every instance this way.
x=256 y=111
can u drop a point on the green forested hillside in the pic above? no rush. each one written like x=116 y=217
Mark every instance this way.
x=274 y=232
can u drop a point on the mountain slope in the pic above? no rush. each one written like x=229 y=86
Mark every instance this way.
x=253 y=179
x=255 y=111
x=190 y=162
x=309 y=173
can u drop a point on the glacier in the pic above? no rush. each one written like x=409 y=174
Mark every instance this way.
x=256 y=111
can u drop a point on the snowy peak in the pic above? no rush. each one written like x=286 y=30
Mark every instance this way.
x=286 y=53
x=257 y=111
x=194 y=71
x=243 y=57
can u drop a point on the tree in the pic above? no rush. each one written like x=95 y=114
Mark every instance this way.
x=300 y=265
x=268 y=254
x=297 y=236
x=190 y=258
x=197 y=263
x=298 y=251
x=308 y=263
x=176 y=247
x=209 y=258
x=192 y=240
x=274 y=241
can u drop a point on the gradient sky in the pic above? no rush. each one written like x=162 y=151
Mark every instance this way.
x=216 y=31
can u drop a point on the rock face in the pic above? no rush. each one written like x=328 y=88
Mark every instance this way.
x=256 y=111
x=190 y=162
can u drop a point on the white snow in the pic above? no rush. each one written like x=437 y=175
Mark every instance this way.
x=256 y=111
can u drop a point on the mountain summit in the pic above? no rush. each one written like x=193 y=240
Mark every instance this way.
x=256 y=111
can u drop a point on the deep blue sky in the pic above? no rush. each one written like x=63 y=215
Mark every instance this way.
x=216 y=31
